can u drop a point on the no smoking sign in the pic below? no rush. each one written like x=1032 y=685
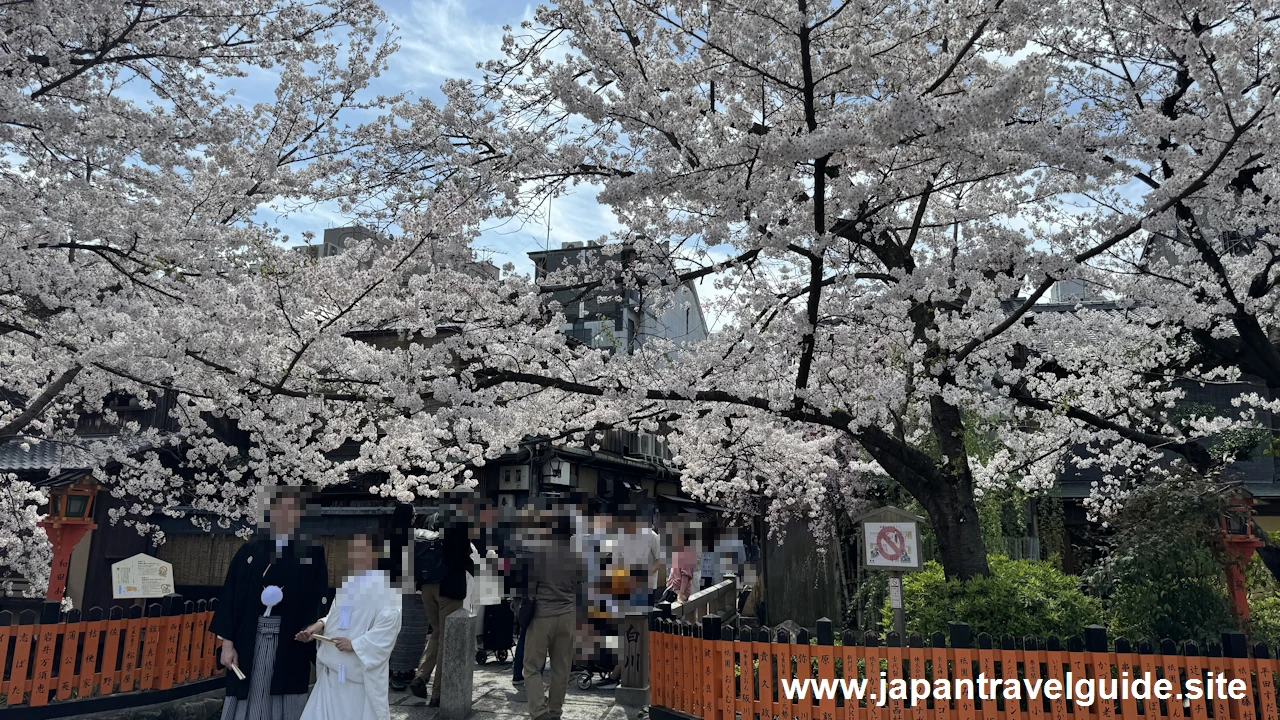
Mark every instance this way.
x=892 y=545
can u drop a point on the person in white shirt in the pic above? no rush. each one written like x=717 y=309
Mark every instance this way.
x=638 y=551
x=360 y=630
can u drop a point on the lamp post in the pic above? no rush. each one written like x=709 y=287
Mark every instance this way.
x=69 y=518
x=1239 y=543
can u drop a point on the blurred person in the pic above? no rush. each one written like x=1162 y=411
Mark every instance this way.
x=684 y=564
x=555 y=585
x=277 y=585
x=636 y=562
x=443 y=567
x=637 y=551
x=352 y=665
x=517 y=580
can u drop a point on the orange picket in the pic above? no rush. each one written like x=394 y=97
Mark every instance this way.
x=701 y=672
x=728 y=678
x=1240 y=668
x=6 y=632
x=803 y=709
x=153 y=641
x=688 y=649
x=745 y=698
x=941 y=671
x=847 y=708
x=167 y=652
x=1031 y=671
x=675 y=659
x=682 y=668
x=986 y=671
x=962 y=667
x=1054 y=661
x=1221 y=707
x=116 y=629
x=129 y=668
x=1150 y=706
x=1009 y=660
x=67 y=680
x=786 y=707
x=894 y=654
x=776 y=700
x=874 y=710
x=726 y=703
x=42 y=682
x=20 y=674
x=916 y=659
x=709 y=672
x=761 y=689
x=1195 y=669
x=212 y=646
x=1171 y=667
x=1266 y=689
x=826 y=671
x=1101 y=662
x=89 y=672
x=1127 y=667
x=184 y=670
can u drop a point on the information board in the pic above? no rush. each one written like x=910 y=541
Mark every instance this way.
x=892 y=545
x=141 y=576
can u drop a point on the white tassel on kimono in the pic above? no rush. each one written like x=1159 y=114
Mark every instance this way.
x=271 y=596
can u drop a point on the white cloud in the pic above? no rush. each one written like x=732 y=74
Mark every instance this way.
x=442 y=39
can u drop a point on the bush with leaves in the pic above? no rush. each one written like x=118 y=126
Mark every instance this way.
x=1162 y=575
x=1019 y=598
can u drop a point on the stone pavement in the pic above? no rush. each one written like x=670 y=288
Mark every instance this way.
x=493 y=698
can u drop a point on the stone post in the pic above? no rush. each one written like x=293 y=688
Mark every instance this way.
x=632 y=692
x=457 y=663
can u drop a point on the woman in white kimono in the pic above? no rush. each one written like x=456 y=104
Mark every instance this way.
x=359 y=632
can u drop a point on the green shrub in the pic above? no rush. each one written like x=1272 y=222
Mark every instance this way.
x=1162 y=574
x=1264 y=619
x=1019 y=597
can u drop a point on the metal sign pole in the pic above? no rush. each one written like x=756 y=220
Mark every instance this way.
x=895 y=601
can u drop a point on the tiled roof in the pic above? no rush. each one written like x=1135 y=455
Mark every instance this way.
x=20 y=456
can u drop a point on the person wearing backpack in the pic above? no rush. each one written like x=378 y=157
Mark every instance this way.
x=442 y=561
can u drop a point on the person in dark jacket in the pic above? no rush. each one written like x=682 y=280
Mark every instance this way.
x=443 y=596
x=276 y=586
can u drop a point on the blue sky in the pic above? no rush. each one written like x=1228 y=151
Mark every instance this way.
x=442 y=39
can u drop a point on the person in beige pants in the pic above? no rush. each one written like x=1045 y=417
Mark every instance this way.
x=555 y=578
x=441 y=597
x=438 y=608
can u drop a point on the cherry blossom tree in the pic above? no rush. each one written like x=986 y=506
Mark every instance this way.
x=881 y=194
x=131 y=175
x=885 y=194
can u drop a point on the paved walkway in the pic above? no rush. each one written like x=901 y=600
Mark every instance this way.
x=494 y=697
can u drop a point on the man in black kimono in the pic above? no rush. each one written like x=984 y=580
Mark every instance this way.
x=276 y=586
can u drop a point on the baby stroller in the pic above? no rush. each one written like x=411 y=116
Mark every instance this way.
x=601 y=661
x=604 y=617
x=499 y=633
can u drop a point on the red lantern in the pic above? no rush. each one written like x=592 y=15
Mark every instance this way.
x=69 y=519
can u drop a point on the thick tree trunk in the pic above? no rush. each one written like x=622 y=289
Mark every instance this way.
x=953 y=514
x=944 y=490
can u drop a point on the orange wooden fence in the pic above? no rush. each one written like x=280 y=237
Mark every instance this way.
x=86 y=655
x=714 y=673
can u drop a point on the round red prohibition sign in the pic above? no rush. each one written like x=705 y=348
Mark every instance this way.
x=890 y=543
